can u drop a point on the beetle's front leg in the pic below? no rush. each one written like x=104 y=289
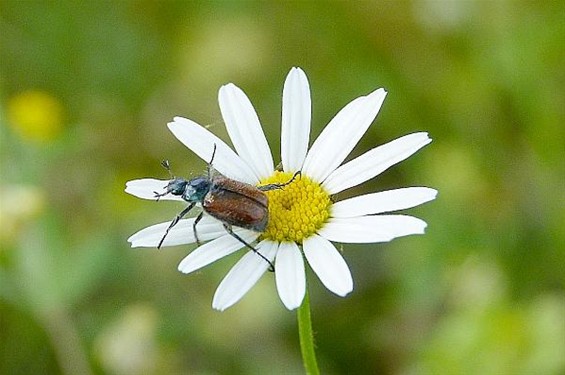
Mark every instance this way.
x=175 y=222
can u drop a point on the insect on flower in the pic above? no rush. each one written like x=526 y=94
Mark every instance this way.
x=299 y=224
x=231 y=202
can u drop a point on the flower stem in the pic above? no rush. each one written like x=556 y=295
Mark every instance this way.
x=306 y=337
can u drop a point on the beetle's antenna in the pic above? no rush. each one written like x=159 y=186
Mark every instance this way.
x=165 y=164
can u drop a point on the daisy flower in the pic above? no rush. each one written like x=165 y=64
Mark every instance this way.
x=304 y=220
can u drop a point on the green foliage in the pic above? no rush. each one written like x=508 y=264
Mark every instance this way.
x=482 y=292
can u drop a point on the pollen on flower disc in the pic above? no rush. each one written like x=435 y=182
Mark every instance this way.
x=297 y=210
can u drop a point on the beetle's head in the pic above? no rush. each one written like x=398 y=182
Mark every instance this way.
x=177 y=186
x=192 y=190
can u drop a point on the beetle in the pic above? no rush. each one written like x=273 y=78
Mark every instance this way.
x=232 y=202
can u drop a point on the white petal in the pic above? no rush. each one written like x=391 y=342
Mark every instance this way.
x=243 y=276
x=214 y=250
x=146 y=188
x=384 y=201
x=202 y=142
x=182 y=233
x=245 y=130
x=328 y=264
x=367 y=229
x=289 y=275
x=342 y=134
x=374 y=162
x=296 y=116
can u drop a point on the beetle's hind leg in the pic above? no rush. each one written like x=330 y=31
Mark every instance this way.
x=269 y=187
x=234 y=235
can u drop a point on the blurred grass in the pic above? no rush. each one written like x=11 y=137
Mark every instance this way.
x=481 y=292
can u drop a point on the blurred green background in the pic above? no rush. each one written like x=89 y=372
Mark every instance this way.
x=88 y=87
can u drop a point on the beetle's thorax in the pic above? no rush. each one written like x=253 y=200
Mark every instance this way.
x=196 y=189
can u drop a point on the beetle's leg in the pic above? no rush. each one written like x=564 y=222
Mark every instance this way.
x=234 y=235
x=175 y=221
x=159 y=195
x=198 y=218
x=269 y=187
x=210 y=166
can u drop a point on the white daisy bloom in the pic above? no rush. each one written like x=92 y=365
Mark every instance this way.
x=303 y=219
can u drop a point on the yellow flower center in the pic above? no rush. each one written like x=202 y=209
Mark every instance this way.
x=297 y=210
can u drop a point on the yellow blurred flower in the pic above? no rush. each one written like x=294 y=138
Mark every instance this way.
x=18 y=205
x=35 y=115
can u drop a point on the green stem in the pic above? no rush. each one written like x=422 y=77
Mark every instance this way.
x=306 y=337
x=66 y=342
